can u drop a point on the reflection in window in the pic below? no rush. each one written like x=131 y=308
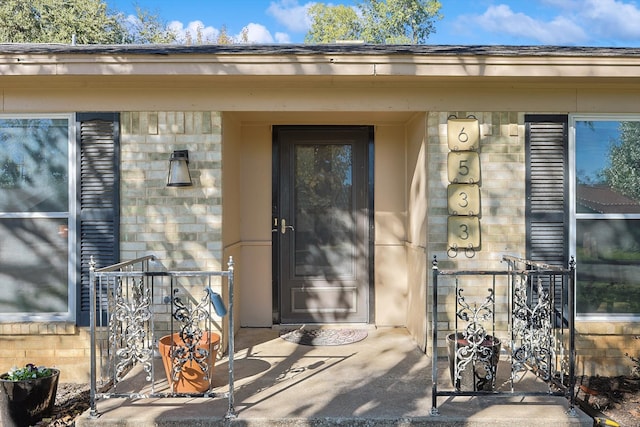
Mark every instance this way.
x=325 y=227
x=34 y=216
x=33 y=165
x=607 y=209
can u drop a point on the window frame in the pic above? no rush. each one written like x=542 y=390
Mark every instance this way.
x=70 y=314
x=575 y=216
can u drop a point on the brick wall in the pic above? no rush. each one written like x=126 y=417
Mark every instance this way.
x=60 y=345
x=502 y=205
x=601 y=346
x=182 y=226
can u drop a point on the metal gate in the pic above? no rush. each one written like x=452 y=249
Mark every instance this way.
x=521 y=317
x=142 y=313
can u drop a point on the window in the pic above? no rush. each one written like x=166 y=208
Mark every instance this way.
x=605 y=212
x=36 y=229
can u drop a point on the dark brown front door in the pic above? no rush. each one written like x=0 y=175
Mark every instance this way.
x=322 y=221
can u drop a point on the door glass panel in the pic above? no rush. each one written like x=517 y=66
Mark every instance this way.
x=325 y=234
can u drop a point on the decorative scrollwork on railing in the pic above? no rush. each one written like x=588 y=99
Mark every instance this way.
x=188 y=347
x=532 y=329
x=130 y=314
x=475 y=349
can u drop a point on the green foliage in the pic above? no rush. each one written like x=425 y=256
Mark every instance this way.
x=86 y=21
x=148 y=28
x=29 y=372
x=623 y=173
x=375 y=21
x=332 y=23
x=58 y=21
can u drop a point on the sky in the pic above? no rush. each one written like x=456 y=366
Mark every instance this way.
x=614 y=23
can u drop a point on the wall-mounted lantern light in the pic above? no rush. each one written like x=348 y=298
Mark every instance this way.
x=179 y=175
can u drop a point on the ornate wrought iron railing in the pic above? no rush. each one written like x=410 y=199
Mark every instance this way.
x=521 y=317
x=142 y=313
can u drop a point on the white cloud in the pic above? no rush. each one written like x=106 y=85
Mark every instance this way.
x=288 y=13
x=502 y=20
x=193 y=30
x=258 y=33
x=291 y=14
x=282 y=38
x=591 y=22
x=612 y=19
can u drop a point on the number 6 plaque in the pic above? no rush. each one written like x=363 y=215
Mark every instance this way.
x=463 y=134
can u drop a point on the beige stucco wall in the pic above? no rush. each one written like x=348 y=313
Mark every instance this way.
x=251 y=141
x=390 y=216
x=417 y=319
x=254 y=289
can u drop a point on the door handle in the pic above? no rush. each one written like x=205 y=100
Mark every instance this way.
x=284 y=226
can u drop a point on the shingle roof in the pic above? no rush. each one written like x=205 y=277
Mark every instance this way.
x=322 y=49
x=603 y=199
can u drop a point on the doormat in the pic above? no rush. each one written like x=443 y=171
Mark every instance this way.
x=320 y=337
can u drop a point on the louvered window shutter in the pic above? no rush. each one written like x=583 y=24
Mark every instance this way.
x=547 y=215
x=97 y=136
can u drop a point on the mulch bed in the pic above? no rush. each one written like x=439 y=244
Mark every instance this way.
x=617 y=398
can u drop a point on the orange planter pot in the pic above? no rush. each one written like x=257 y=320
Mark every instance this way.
x=191 y=379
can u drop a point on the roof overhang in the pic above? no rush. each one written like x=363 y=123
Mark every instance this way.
x=328 y=61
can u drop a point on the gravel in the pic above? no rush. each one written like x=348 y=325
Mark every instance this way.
x=71 y=400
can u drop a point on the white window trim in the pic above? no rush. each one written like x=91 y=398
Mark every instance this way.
x=70 y=315
x=574 y=216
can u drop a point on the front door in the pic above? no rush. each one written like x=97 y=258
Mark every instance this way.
x=322 y=224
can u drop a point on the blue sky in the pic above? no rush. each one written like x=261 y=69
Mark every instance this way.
x=531 y=22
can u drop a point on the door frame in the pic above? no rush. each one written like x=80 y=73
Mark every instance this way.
x=275 y=204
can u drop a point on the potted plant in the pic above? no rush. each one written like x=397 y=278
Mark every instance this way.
x=189 y=360
x=27 y=394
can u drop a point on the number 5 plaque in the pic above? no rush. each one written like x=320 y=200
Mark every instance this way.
x=463 y=167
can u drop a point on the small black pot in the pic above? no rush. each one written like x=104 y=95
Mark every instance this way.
x=25 y=402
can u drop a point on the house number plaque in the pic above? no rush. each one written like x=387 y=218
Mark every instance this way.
x=463 y=167
x=463 y=192
x=463 y=232
x=463 y=199
x=463 y=134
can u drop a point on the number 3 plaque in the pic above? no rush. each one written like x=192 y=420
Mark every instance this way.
x=463 y=232
x=463 y=199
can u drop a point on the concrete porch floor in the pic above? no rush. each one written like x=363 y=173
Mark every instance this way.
x=383 y=380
